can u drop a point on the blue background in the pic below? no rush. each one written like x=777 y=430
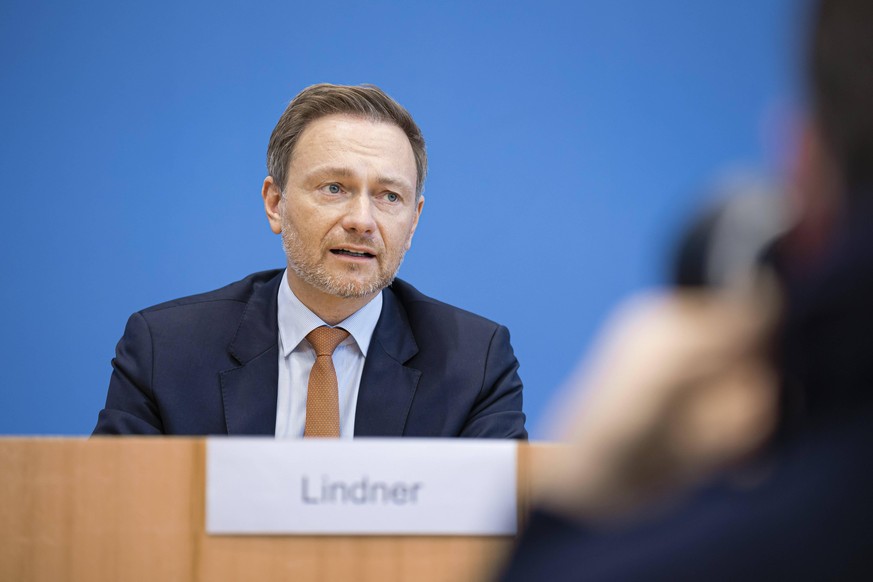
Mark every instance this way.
x=567 y=142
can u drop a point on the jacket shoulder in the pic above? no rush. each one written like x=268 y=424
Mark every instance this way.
x=417 y=303
x=238 y=292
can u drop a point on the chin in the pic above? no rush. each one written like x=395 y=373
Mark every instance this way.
x=352 y=288
x=347 y=283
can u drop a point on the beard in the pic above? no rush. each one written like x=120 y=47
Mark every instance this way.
x=310 y=268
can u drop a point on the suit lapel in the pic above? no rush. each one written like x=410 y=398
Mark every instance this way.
x=250 y=390
x=387 y=385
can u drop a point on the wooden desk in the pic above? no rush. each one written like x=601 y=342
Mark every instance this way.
x=128 y=509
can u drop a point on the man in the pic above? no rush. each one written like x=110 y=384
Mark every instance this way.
x=685 y=387
x=333 y=345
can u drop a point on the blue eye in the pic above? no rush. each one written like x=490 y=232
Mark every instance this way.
x=333 y=188
x=392 y=197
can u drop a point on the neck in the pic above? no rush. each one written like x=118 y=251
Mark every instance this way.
x=332 y=309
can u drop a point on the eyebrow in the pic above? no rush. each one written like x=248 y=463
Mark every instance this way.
x=343 y=172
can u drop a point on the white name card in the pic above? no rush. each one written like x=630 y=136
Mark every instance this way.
x=360 y=486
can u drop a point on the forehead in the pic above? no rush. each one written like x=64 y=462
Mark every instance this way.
x=356 y=144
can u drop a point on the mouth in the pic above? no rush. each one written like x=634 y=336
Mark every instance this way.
x=357 y=254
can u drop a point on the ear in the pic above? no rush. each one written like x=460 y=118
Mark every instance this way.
x=418 y=206
x=272 y=204
x=814 y=191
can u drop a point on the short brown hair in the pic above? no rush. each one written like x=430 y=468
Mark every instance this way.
x=316 y=101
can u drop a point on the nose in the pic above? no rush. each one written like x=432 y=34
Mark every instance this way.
x=359 y=216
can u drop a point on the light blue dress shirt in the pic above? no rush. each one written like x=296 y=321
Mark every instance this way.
x=296 y=358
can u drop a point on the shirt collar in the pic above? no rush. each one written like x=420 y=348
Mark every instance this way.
x=296 y=321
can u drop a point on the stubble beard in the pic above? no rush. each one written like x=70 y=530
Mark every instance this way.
x=311 y=270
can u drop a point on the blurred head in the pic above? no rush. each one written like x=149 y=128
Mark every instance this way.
x=841 y=88
x=833 y=169
x=362 y=101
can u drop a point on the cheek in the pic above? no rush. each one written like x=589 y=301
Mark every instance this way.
x=399 y=237
x=312 y=224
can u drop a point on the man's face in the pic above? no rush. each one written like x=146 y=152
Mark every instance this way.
x=349 y=208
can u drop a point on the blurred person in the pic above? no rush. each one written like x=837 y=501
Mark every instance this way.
x=726 y=435
x=333 y=345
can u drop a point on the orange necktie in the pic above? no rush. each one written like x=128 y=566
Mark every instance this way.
x=322 y=397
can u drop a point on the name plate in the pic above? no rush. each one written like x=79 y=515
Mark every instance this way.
x=361 y=486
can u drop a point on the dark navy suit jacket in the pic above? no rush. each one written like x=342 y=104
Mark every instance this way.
x=208 y=364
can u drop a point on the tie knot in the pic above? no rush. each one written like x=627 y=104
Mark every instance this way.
x=325 y=339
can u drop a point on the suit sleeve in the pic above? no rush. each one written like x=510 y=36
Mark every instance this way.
x=130 y=404
x=497 y=413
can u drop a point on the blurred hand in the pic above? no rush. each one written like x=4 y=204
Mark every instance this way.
x=678 y=387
